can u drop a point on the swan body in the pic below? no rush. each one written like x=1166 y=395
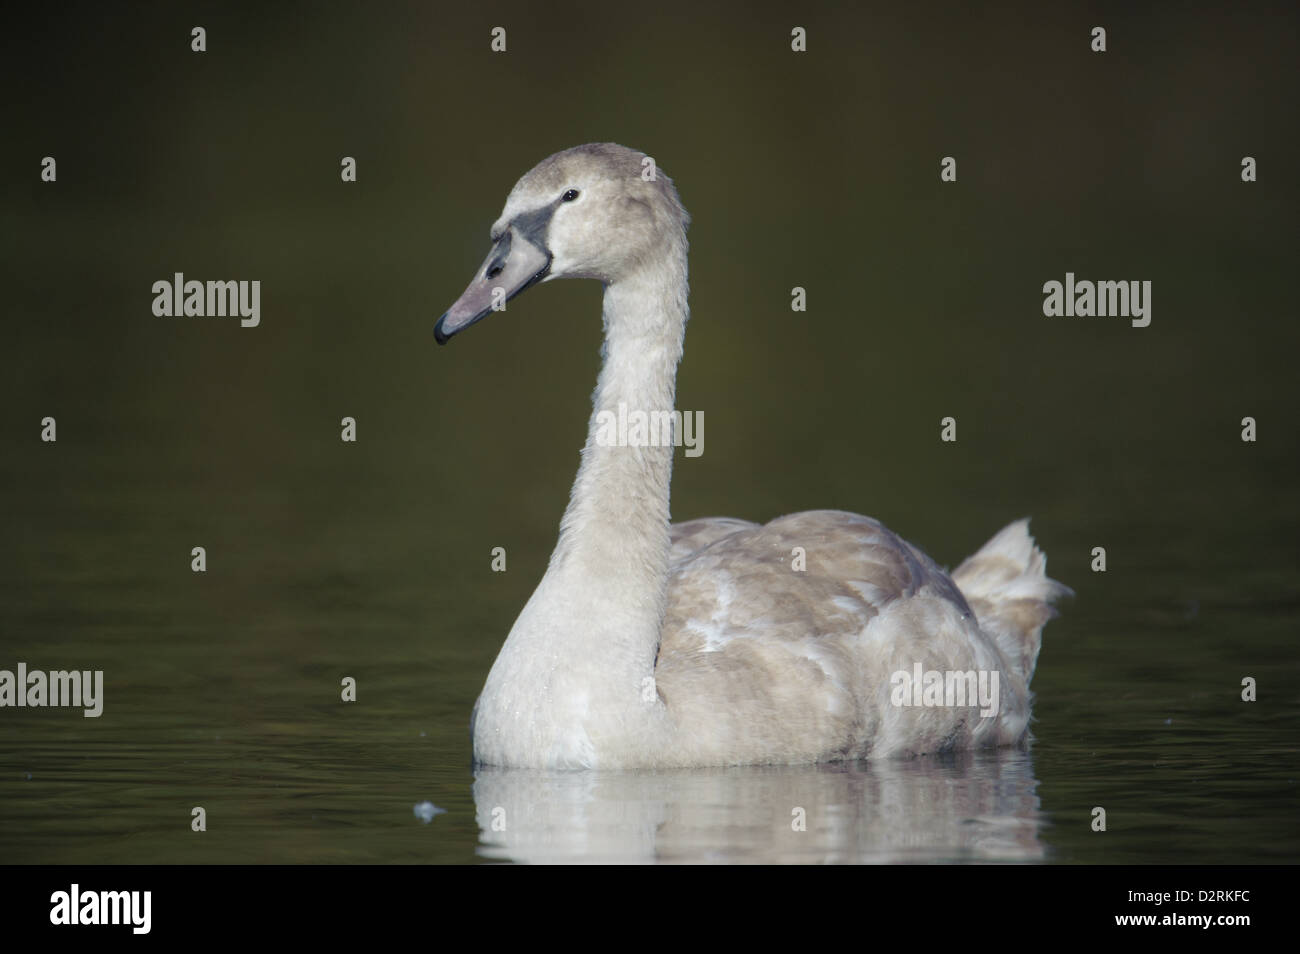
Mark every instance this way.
x=649 y=644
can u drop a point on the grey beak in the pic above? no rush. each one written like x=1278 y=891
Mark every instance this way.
x=514 y=264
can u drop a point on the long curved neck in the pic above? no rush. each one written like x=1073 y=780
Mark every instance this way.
x=612 y=555
x=616 y=524
x=572 y=675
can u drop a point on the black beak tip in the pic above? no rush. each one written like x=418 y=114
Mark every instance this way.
x=438 y=335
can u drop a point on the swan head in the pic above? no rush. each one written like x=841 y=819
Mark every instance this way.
x=597 y=211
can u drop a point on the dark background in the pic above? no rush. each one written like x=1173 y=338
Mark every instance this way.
x=818 y=169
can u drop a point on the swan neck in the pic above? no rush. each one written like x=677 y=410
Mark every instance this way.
x=576 y=675
x=616 y=525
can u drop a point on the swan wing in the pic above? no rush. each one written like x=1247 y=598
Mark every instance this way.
x=692 y=536
x=779 y=642
x=813 y=574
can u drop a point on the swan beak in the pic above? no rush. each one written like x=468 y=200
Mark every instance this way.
x=514 y=264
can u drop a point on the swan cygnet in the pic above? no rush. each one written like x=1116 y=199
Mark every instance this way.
x=649 y=644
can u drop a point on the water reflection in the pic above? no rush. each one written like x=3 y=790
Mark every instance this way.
x=964 y=807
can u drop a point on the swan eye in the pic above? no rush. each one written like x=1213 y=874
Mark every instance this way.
x=570 y=195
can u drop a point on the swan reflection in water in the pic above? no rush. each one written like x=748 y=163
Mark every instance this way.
x=964 y=806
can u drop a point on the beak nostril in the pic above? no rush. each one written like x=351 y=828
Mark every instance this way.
x=494 y=271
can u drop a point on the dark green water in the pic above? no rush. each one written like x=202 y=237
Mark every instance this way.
x=372 y=560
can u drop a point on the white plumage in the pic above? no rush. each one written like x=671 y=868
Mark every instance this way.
x=707 y=643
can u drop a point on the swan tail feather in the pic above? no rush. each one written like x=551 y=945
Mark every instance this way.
x=1007 y=587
